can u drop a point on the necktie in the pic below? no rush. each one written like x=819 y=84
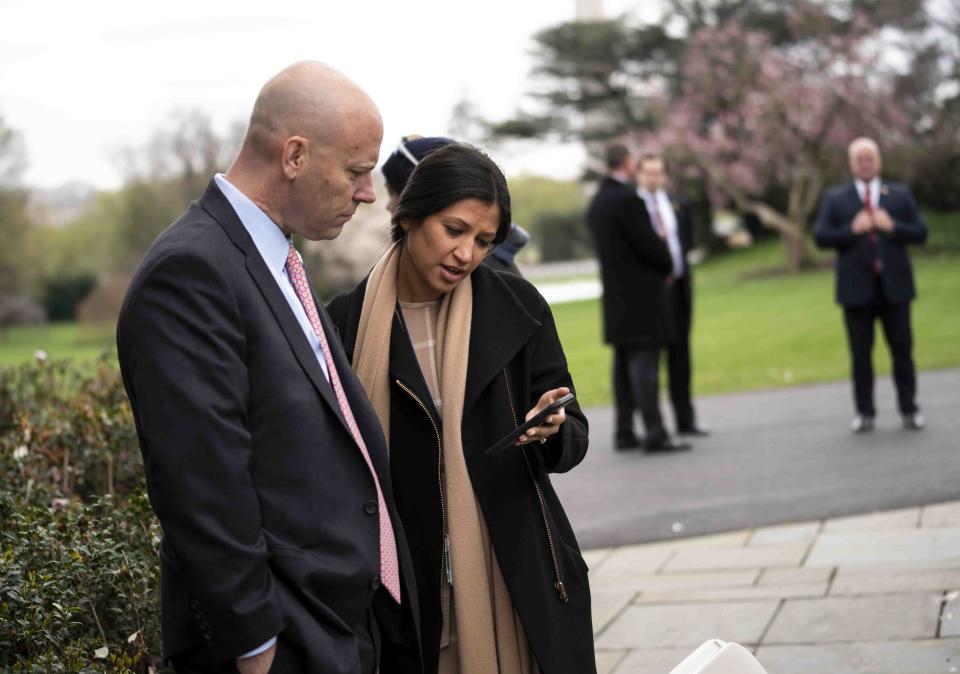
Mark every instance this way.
x=657 y=220
x=874 y=252
x=389 y=567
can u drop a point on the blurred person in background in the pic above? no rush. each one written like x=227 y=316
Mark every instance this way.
x=635 y=269
x=672 y=223
x=870 y=222
x=397 y=169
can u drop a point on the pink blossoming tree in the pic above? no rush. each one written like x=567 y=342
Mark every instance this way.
x=759 y=119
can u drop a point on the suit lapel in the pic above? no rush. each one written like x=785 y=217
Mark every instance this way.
x=290 y=326
x=500 y=327
x=882 y=197
x=854 y=196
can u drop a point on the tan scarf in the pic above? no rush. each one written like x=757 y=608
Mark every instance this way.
x=489 y=637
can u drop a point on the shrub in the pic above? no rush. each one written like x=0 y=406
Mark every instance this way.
x=71 y=429
x=79 y=568
x=75 y=580
x=62 y=294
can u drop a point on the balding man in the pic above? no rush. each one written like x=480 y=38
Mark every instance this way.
x=264 y=460
x=870 y=222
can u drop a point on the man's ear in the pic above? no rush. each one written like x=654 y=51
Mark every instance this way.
x=294 y=156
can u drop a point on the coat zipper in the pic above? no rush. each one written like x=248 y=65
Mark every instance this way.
x=446 y=569
x=558 y=586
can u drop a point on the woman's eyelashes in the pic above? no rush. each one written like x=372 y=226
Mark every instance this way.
x=454 y=232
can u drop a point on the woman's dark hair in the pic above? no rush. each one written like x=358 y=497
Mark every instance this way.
x=448 y=175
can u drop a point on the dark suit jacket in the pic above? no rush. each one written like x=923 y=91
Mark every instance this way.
x=684 y=228
x=264 y=498
x=855 y=281
x=634 y=266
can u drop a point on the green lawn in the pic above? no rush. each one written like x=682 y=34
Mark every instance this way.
x=748 y=333
x=771 y=332
x=59 y=341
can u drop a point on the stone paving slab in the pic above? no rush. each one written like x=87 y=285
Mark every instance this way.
x=687 y=625
x=803 y=532
x=941 y=515
x=858 y=581
x=877 y=657
x=839 y=619
x=594 y=558
x=923 y=547
x=664 y=582
x=950 y=618
x=691 y=559
x=607 y=661
x=873 y=594
x=729 y=539
x=815 y=575
x=630 y=561
x=908 y=518
x=606 y=604
x=659 y=661
x=725 y=594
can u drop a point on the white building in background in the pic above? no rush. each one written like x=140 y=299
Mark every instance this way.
x=590 y=10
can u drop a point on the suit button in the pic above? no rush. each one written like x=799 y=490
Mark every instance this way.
x=375 y=583
x=370 y=507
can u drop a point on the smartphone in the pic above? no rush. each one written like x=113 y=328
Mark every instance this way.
x=510 y=439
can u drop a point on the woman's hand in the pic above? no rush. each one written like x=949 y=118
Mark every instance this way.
x=551 y=424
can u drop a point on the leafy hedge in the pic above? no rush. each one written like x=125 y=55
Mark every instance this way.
x=79 y=573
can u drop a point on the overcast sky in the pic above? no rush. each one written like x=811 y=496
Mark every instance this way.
x=80 y=80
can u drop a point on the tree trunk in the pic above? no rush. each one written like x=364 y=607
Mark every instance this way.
x=804 y=190
x=797 y=251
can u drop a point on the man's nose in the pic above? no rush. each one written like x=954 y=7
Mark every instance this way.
x=365 y=192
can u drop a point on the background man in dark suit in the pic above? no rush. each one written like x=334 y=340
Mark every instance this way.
x=264 y=460
x=635 y=265
x=870 y=222
x=671 y=220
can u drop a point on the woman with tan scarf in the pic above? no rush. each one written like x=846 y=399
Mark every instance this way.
x=453 y=356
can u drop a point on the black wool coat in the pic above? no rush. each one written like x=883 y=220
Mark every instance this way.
x=855 y=279
x=515 y=357
x=634 y=266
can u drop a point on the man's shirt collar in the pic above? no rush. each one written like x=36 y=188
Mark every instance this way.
x=270 y=241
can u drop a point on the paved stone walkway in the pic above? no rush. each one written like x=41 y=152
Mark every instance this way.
x=869 y=594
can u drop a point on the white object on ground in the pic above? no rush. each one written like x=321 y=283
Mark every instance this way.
x=719 y=657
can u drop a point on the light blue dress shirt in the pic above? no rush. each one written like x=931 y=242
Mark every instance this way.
x=273 y=246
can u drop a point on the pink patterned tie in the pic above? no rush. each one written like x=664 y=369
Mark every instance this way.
x=389 y=567
x=874 y=252
x=657 y=220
